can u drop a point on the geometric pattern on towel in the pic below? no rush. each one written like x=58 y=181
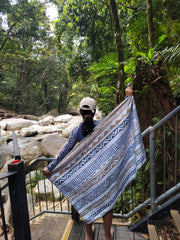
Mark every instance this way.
x=95 y=173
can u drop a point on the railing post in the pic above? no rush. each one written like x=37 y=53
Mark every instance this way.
x=3 y=216
x=152 y=168
x=18 y=198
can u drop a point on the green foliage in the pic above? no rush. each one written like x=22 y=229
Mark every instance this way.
x=84 y=33
x=104 y=74
x=132 y=195
x=171 y=9
x=174 y=74
x=106 y=67
x=33 y=76
x=4 y=6
x=172 y=55
x=137 y=31
x=155 y=119
x=34 y=177
x=47 y=71
x=147 y=166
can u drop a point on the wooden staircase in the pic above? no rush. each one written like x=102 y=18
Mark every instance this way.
x=176 y=218
x=163 y=223
x=168 y=228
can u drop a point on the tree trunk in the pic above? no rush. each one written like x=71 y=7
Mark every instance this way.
x=117 y=30
x=153 y=94
x=151 y=31
x=20 y=87
x=154 y=99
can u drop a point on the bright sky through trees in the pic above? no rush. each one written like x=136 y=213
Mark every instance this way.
x=51 y=11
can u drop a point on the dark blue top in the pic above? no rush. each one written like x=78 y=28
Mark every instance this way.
x=75 y=137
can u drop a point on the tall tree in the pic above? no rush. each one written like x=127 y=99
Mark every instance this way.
x=119 y=47
x=150 y=23
x=30 y=69
x=84 y=33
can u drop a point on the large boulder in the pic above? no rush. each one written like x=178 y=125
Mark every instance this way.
x=75 y=120
x=8 y=213
x=47 y=120
x=5 y=136
x=28 y=132
x=66 y=132
x=73 y=111
x=30 y=202
x=65 y=118
x=6 y=114
x=46 y=129
x=52 y=144
x=31 y=151
x=31 y=117
x=98 y=115
x=5 y=191
x=53 y=113
x=12 y=124
x=43 y=191
x=6 y=153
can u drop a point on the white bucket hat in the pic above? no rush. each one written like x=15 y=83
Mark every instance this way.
x=90 y=102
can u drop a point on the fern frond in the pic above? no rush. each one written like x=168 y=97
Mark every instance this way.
x=171 y=54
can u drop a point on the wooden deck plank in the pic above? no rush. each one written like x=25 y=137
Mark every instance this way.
x=78 y=232
x=152 y=232
x=176 y=218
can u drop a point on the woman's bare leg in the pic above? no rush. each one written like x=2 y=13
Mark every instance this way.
x=89 y=231
x=107 y=225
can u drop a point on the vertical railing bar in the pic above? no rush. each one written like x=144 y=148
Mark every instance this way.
x=3 y=216
x=142 y=186
x=32 y=192
x=175 y=174
x=45 y=194
x=132 y=196
x=164 y=157
x=152 y=169
x=38 y=190
x=53 y=196
x=68 y=205
x=18 y=200
x=63 y=197
x=45 y=189
x=60 y=200
x=122 y=203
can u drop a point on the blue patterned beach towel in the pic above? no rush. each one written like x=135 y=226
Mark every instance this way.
x=95 y=173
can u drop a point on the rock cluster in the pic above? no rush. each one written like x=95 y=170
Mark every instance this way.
x=37 y=137
x=43 y=137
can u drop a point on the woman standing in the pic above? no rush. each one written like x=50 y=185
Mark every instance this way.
x=87 y=110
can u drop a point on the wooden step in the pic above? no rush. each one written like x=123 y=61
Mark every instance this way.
x=176 y=218
x=152 y=232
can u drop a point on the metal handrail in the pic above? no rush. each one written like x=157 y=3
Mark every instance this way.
x=153 y=200
x=44 y=205
x=161 y=122
x=18 y=200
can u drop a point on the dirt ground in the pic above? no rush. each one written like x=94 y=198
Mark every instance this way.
x=49 y=226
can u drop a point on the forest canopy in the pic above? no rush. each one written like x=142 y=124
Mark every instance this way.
x=93 y=48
